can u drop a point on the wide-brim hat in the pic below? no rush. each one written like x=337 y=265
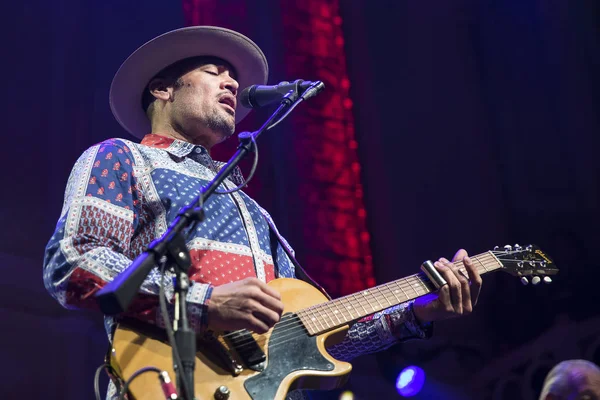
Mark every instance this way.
x=142 y=65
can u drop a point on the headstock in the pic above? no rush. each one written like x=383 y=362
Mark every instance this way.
x=526 y=261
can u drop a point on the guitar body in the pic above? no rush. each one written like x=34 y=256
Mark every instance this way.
x=294 y=359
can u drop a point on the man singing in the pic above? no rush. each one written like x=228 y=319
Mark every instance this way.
x=178 y=94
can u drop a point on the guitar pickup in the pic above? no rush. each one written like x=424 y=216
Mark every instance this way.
x=214 y=347
x=249 y=351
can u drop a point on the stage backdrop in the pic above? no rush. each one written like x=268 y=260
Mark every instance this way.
x=464 y=124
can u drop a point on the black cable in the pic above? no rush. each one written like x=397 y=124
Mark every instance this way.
x=135 y=375
x=250 y=175
x=167 y=321
x=194 y=224
x=274 y=124
x=97 y=380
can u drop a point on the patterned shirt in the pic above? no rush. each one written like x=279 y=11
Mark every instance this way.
x=122 y=195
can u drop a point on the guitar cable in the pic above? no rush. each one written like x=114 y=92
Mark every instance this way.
x=133 y=376
x=101 y=368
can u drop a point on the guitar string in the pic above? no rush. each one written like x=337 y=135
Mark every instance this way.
x=415 y=280
x=282 y=340
x=404 y=283
x=324 y=306
x=292 y=322
x=261 y=340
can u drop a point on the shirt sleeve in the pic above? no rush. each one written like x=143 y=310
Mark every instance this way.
x=379 y=331
x=104 y=225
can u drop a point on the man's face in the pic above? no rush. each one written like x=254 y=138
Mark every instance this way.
x=204 y=101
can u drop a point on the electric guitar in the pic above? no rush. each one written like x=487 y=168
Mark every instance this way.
x=245 y=365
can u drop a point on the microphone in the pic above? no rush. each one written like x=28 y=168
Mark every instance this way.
x=257 y=96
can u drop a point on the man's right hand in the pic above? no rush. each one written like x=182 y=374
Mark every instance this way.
x=246 y=304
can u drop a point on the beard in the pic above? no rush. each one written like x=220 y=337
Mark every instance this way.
x=221 y=124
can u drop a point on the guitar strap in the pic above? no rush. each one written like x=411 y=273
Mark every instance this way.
x=300 y=273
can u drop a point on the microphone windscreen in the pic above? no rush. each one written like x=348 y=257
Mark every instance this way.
x=246 y=95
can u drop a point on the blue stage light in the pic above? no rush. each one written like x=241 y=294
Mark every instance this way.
x=410 y=381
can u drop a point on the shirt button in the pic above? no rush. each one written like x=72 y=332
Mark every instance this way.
x=198 y=150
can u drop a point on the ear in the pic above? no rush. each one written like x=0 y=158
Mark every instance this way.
x=160 y=89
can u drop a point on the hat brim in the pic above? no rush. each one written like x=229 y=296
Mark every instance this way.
x=134 y=74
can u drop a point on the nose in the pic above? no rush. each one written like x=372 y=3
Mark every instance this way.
x=230 y=84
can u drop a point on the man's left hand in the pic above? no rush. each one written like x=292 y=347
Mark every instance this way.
x=456 y=298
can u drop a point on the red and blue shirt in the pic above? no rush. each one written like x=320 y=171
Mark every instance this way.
x=121 y=195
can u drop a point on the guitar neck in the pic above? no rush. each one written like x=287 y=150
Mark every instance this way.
x=326 y=316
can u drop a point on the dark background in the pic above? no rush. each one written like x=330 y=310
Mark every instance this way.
x=476 y=124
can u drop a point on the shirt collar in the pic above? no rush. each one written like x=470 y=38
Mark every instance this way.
x=182 y=149
x=176 y=147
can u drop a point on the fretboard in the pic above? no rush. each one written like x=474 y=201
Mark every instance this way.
x=326 y=316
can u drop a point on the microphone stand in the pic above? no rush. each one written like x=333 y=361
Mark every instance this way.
x=116 y=296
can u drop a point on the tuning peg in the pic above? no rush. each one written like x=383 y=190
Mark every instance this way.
x=524 y=281
x=536 y=280
x=547 y=279
x=507 y=248
x=518 y=247
x=496 y=247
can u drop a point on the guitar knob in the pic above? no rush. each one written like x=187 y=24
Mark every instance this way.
x=547 y=279
x=222 y=393
x=536 y=280
x=524 y=281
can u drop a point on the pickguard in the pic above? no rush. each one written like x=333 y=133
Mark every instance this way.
x=290 y=349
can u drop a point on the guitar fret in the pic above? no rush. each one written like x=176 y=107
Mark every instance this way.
x=412 y=286
x=317 y=317
x=497 y=262
x=423 y=285
x=387 y=297
x=393 y=294
x=413 y=283
x=326 y=308
x=349 y=307
x=376 y=299
x=482 y=264
x=366 y=294
x=336 y=312
x=321 y=310
x=361 y=304
x=401 y=288
x=396 y=291
x=305 y=318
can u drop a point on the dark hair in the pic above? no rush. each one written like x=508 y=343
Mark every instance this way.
x=173 y=73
